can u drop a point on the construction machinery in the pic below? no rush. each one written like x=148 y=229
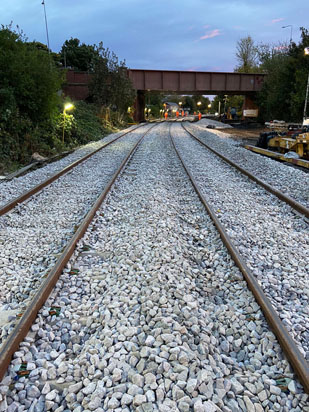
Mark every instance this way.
x=296 y=143
x=289 y=143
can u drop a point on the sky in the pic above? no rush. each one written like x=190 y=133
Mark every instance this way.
x=199 y=35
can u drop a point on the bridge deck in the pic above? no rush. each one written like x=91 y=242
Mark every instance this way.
x=183 y=82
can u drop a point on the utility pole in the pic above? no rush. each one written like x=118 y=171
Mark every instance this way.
x=43 y=3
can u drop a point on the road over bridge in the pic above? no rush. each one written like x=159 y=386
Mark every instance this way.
x=174 y=81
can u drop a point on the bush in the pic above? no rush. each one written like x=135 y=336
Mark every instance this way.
x=88 y=126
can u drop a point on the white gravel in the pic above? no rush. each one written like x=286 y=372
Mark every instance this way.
x=14 y=188
x=157 y=316
x=291 y=181
x=273 y=240
x=34 y=233
x=204 y=122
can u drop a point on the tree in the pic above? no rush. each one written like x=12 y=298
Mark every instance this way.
x=246 y=54
x=28 y=77
x=110 y=85
x=79 y=56
x=197 y=98
x=29 y=82
x=284 y=88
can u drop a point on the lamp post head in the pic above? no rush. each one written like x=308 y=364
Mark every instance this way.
x=68 y=106
x=289 y=25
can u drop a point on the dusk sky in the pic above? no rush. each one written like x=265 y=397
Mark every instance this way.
x=157 y=34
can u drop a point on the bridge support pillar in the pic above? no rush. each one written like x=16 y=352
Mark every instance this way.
x=250 y=109
x=139 y=106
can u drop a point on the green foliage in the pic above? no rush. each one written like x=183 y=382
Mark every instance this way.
x=287 y=68
x=110 y=85
x=203 y=107
x=28 y=75
x=29 y=82
x=284 y=88
x=79 y=56
x=31 y=111
x=227 y=101
x=88 y=125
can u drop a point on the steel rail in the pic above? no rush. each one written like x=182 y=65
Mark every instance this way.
x=285 y=198
x=288 y=345
x=26 y=195
x=21 y=329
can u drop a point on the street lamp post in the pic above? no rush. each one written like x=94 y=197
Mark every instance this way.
x=289 y=25
x=67 y=106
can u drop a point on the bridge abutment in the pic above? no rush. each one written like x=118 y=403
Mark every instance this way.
x=139 y=106
x=250 y=107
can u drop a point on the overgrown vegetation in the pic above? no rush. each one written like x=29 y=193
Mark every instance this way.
x=110 y=86
x=32 y=118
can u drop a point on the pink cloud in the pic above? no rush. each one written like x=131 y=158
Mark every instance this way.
x=211 y=34
x=277 y=20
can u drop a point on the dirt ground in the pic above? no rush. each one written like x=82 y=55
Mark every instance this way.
x=244 y=134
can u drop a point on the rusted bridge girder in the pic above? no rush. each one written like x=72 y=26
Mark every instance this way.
x=173 y=81
x=195 y=82
x=182 y=82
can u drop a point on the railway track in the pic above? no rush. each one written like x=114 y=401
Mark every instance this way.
x=7 y=202
x=289 y=185
x=266 y=232
x=34 y=233
x=268 y=310
x=174 y=327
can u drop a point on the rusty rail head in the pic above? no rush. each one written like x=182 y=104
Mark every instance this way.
x=21 y=329
x=287 y=344
x=285 y=198
x=24 y=196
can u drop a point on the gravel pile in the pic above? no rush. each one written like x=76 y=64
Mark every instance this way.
x=291 y=181
x=14 y=188
x=153 y=314
x=204 y=122
x=273 y=240
x=34 y=233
